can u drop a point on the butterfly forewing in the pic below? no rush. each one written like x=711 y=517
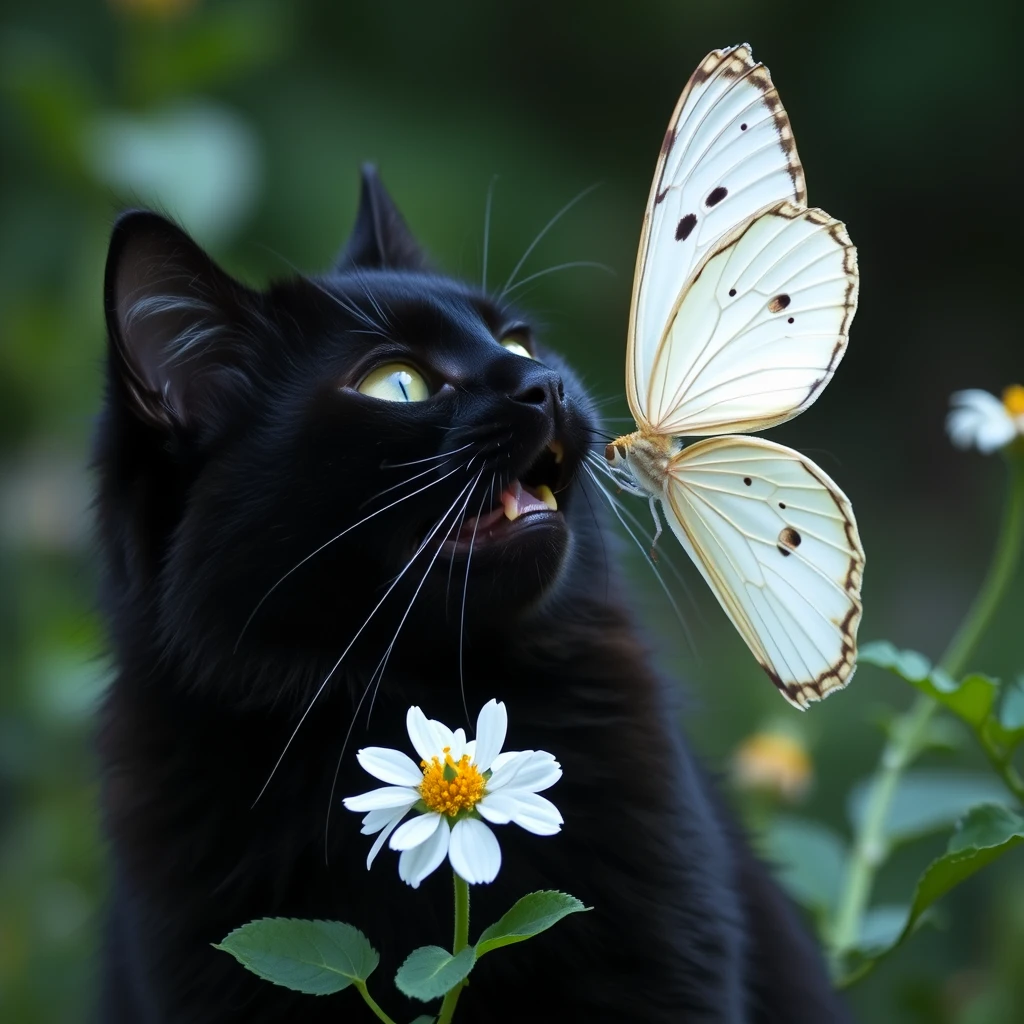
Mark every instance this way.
x=727 y=155
x=760 y=330
x=777 y=542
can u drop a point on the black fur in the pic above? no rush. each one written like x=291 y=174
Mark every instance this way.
x=232 y=445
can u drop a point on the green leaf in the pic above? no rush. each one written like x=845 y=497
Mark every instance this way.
x=971 y=699
x=928 y=800
x=1011 y=707
x=881 y=928
x=316 y=957
x=424 y=1018
x=810 y=860
x=910 y=665
x=983 y=836
x=527 y=917
x=430 y=971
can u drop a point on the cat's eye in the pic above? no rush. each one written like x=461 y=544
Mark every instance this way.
x=513 y=344
x=395 y=382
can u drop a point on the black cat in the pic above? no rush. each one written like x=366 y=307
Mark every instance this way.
x=235 y=442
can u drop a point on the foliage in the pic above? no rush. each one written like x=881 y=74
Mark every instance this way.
x=324 y=957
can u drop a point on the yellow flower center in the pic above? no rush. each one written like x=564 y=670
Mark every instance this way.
x=1013 y=400
x=450 y=786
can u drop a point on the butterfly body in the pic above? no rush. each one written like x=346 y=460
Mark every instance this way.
x=742 y=302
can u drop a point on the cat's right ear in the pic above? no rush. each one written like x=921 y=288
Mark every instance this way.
x=380 y=238
x=174 y=319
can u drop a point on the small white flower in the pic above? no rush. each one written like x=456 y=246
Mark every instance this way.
x=979 y=420
x=456 y=784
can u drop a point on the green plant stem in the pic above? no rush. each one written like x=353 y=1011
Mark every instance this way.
x=906 y=738
x=460 y=942
x=372 y=1003
x=1000 y=573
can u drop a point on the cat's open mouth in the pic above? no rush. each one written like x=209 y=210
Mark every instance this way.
x=530 y=497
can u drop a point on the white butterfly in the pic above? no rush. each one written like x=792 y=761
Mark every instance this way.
x=742 y=302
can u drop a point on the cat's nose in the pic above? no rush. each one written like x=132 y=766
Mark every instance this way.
x=542 y=388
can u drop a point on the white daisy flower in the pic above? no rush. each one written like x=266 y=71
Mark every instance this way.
x=457 y=787
x=980 y=420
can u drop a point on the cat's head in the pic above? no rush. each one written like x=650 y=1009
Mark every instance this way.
x=281 y=469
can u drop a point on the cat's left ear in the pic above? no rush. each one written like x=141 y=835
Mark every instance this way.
x=380 y=239
x=178 y=325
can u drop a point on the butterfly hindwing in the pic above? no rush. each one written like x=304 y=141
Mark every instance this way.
x=777 y=542
x=759 y=332
x=727 y=155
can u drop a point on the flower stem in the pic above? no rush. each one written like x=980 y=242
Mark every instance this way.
x=1000 y=573
x=906 y=739
x=460 y=942
x=372 y=1003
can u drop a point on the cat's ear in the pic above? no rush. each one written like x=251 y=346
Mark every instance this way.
x=381 y=238
x=175 y=321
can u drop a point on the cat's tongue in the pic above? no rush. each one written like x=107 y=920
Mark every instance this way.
x=517 y=500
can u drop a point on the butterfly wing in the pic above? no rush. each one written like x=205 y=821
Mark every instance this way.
x=777 y=542
x=727 y=155
x=758 y=333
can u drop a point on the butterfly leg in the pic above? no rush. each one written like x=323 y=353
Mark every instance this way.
x=657 y=526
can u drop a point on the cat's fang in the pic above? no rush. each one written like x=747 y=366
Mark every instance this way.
x=510 y=502
x=547 y=496
x=558 y=450
x=517 y=500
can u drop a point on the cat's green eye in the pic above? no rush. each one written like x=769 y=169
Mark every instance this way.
x=395 y=382
x=516 y=346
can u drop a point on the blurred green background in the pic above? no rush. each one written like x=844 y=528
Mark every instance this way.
x=248 y=121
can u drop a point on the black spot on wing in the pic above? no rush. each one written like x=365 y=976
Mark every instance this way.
x=716 y=196
x=789 y=540
x=779 y=303
x=685 y=226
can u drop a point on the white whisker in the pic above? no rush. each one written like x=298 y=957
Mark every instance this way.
x=561 y=266
x=465 y=591
x=613 y=505
x=328 y=543
x=366 y=622
x=378 y=672
x=543 y=231
x=487 y=228
x=429 y=458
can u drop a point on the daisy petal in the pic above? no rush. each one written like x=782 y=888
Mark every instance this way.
x=417 y=830
x=386 y=796
x=539 y=772
x=508 y=767
x=390 y=766
x=458 y=744
x=509 y=755
x=414 y=865
x=979 y=419
x=474 y=853
x=374 y=821
x=382 y=838
x=497 y=808
x=535 y=813
x=424 y=739
x=445 y=737
x=491 y=727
